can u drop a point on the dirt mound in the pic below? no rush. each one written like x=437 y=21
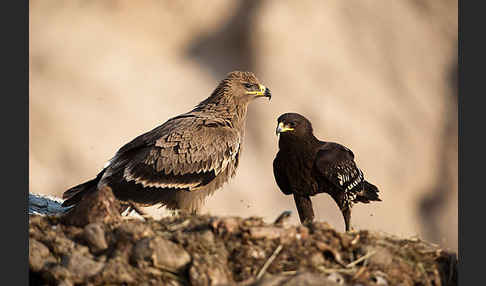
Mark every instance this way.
x=209 y=250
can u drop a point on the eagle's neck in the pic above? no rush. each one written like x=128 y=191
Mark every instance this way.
x=224 y=107
x=298 y=145
x=300 y=151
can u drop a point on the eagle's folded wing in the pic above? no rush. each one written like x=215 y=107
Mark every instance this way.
x=281 y=176
x=336 y=164
x=184 y=153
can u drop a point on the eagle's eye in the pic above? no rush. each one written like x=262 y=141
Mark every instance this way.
x=292 y=124
x=248 y=85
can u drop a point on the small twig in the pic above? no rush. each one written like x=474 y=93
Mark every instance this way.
x=338 y=270
x=290 y=272
x=269 y=261
x=177 y=226
x=138 y=210
x=128 y=218
x=365 y=263
x=368 y=255
x=360 y=271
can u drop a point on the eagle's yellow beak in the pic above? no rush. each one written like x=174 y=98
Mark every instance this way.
x=262 y=92
x=281 y=127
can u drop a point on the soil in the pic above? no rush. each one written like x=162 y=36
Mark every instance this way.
x=210 y=250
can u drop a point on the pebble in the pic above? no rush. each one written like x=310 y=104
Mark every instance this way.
x=81 y=266
x=95 y=237
x=38 y=254
x=162 y=253
x=117 y=271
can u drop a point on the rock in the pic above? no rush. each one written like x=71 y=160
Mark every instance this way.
x=58 y=274
x=100 y=206
x=207 y=237
x=213 y=276
x=317 y=259
x=127 y=234
x=337 y=278
x=209 y=259
x=161 y=253
x=38 y=255
x=117 y=271
x=300 y=279
x=142 y=253
x=209 y=270
x=227 y=225
x=266 y=232
x=61 y=245
x=95 y=237
x=153 y=254
x=379 y=278
x=133 y=231
x=81 y=267
x=382 y=256
x=169 y=255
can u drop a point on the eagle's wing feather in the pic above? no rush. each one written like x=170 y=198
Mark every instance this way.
x=186 y=152
x=336 y=164
x=281 y=176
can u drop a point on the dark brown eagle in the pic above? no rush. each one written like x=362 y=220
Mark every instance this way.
x=305 y=166
x=181 y=162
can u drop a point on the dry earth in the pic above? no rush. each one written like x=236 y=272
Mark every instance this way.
x=208 y=250
x=92 y=244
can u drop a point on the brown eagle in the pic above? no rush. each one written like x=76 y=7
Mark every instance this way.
x=179 y=163
x=305 y=166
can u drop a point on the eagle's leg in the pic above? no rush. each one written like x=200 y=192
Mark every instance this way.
x=347 y=217
x=137 y=209
x=304 y=207
x=345 y=208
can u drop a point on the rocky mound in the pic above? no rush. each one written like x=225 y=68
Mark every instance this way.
x=208 y=250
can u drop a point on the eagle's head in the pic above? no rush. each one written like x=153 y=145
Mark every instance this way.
x=243 y=87
x=232 y=95
x=293 y=125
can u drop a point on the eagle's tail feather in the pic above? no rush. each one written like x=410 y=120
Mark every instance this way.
x=74 y=194
x=369 y=193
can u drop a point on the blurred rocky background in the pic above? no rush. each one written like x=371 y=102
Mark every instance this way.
x=378 y=77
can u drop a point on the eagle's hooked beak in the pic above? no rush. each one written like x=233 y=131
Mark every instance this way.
x=281 y=127
x=263 y=92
